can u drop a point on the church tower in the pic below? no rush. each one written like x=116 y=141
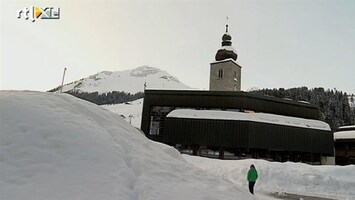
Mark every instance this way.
x=225 y=73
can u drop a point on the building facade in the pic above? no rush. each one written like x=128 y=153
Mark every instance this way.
x=345 y=145
x=241 y=137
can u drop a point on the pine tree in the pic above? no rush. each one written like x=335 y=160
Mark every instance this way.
x=333 y=105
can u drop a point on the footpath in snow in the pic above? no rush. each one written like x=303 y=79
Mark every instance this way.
x=336 y=182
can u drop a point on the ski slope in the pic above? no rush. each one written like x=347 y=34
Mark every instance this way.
x=129 y=81
x=129 y=111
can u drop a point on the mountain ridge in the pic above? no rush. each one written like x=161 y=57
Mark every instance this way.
x=129 y=81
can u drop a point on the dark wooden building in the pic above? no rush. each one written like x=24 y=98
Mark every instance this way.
x=241 y=136
x=345 y=145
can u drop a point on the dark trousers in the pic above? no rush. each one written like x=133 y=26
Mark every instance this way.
x=251 y=187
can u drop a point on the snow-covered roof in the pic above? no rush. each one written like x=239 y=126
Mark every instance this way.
x=345 y=132
x=350 y=126
x=255 y=117
x=229 y=48
x=228 y=59
x=344 y=135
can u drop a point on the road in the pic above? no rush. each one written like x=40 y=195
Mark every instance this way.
x=298 y=197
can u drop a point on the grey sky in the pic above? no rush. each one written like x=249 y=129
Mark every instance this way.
x=279 y=43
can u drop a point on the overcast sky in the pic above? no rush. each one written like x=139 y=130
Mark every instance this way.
x=280 y=43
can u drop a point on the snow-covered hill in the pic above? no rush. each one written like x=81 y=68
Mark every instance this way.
x=56 y=146
x=130 y=111
x=130 y=81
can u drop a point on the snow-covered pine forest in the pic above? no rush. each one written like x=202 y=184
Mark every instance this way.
x=336 y=107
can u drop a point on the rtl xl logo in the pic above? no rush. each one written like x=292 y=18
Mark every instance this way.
x=34 y=13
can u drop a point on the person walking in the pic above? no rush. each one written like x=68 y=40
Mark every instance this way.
x=252 y=176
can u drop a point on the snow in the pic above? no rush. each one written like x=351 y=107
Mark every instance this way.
x=131 y=111
x=228 y=59
x=295 y=178
x=306 y=102
x=344 y=135
x=130 y=81
x=345 y=132
x=350 y=126
x=255 y=117
x=229 y=48
x=55 y=146
x=351 y=103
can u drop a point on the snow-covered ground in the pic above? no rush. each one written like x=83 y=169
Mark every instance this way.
x=325 y=181
x=296 y=178
x=55 y=146
x=131 y=111
x=130 y=81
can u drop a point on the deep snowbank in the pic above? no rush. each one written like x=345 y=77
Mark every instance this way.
x=55 y=146
x=324 y=181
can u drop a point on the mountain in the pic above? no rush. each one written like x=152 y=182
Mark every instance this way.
x=129 y=81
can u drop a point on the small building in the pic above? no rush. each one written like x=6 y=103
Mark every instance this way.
x=345 y=145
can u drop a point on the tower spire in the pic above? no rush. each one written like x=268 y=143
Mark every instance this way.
x=226 y=51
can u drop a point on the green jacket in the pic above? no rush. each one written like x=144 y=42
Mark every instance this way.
x=252 y=175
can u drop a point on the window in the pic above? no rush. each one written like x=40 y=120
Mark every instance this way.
x=157 y=119
x=220 y=74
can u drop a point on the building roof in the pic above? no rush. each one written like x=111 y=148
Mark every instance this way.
x=343 y=135
x=255 y=117
x=226 y=51
x=343 y=128
x=345 y=132
x=225 y=94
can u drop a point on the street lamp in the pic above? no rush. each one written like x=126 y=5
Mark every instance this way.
x=61 y=87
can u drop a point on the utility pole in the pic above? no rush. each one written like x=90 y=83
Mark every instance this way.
x=61 y=87
x=130 y=118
